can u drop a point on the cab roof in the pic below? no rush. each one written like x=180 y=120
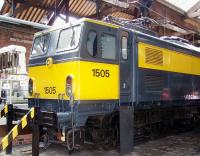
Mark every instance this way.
x=76 y=22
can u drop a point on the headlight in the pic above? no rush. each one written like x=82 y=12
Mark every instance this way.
x=69 y=86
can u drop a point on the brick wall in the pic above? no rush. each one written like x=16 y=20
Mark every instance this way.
x=23 y=140
x=21 y=35
x=2 y=130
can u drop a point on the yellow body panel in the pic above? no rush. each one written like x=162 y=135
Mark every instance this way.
x=98 y=87
x=85 y=85
x=173 y=61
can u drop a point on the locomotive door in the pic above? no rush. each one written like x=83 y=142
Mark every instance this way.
x=125 y=71
x=125 y=109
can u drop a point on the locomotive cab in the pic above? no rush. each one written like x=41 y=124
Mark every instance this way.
x=48 y=69
x=87 y=53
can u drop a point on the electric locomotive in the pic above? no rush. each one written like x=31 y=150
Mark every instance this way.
x=86 y=70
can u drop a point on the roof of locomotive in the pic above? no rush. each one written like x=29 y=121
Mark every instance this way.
x=187 y=47
x=76 y=22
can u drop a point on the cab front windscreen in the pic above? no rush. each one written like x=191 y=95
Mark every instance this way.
x=69 y=38
x=41 y=44
x=66 y=40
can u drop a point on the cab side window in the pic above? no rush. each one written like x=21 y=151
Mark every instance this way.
x=108 y=46
x=124 y=49
x=41 y=45
x=92 y=43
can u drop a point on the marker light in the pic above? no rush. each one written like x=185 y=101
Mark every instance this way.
x=69 y=86
x=30 y=86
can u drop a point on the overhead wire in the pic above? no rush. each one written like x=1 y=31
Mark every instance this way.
x=166 y=20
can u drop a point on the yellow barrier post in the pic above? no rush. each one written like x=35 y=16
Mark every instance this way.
x=6 y=141
x=4 y=111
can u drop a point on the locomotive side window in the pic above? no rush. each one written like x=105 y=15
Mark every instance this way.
x=41 y=45
x=69 y=38
x=16 y=60
x=92 y=43
x=108 y=46
x=8 y=60
x=124 y=48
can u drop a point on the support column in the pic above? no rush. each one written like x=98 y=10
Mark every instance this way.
x=98 y=6
x=36 y=134
x=67 y=10
x=126 y=129
x=9 y=118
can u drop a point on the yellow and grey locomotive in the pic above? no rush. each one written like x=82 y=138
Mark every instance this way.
x=87 y=70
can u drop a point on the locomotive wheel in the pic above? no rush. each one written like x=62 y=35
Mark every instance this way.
x=115 y=136
x=77 y=140
x=45 y=139
x=69 y=140
x=115 y=131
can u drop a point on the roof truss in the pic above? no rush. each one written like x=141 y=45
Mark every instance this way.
x=23 y=6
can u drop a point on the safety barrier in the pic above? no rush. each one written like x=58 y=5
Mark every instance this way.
x=4 y=111
x=17 y=129
x=24 y=118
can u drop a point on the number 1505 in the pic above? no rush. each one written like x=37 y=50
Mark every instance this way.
x=100 y=73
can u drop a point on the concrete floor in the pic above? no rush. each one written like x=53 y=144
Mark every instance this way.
x=184 y=144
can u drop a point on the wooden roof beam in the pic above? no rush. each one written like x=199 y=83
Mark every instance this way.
x=195 y=23
x=8 y=2
x=106 y=11
x=177 y=29
x=58 y=9
x=111 y=6
x=164 y=12
x=117 y=3
x=24 y=6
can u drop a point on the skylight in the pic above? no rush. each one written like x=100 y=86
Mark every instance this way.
x=184 y=5
x=60 y=21
x=1 y=4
